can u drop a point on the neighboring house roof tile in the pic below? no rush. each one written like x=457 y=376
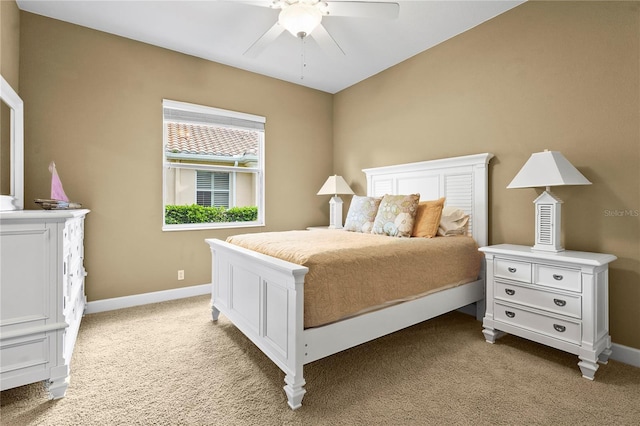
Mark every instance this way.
x=210 y=140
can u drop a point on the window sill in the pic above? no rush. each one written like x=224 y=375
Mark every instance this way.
x=210 y=226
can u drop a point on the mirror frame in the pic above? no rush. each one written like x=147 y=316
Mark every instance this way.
x=14 y=201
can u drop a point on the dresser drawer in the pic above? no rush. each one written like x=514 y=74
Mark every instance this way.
x=563 y=304
x=568 y=331
x=512 y=270
x=24 y=358
x=557 y=277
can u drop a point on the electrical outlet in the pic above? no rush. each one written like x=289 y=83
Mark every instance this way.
x=181 y=274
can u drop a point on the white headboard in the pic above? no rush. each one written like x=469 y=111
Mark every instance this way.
x=464 y=181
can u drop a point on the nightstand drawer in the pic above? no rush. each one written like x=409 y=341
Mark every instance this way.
x=560 y=329
x=513 y=270
x=553 y=276
x=553 y=302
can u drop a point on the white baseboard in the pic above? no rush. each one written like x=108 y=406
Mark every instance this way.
x=621 y=353
x=146 y=298
x=625 y=354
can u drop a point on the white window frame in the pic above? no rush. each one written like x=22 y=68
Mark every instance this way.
x=230 y=119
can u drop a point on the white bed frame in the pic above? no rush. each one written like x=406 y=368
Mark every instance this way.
x=263 y=296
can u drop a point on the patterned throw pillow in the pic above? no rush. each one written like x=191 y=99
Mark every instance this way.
x=396 y=215
x=362 y=213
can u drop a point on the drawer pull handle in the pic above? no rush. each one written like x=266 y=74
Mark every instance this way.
x=559 y=302
x=560 y=328
x=509 y=291
x=510 y=314
x=511 y=269
x=557 y=277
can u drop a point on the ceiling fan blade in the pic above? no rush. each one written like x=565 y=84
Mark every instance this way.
x=326 y=41
x=263 y=3
x=363 y=9
x=269 y=36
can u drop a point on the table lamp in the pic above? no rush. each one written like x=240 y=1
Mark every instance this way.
x=546 y=169
x=333 y=186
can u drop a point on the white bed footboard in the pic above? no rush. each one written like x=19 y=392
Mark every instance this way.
x=263 y=297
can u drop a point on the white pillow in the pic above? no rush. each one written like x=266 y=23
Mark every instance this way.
x=454 y=221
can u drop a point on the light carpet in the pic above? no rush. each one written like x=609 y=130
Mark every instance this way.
x=169 y=364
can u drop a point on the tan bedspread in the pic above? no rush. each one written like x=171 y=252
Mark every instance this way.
x=350 y=273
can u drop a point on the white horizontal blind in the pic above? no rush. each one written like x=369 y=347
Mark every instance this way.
x=203 y=188
x=197 y=114
x=203 y=180
x=221 y=190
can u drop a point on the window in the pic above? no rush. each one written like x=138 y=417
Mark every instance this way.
x=212 y=189
x=213 y=174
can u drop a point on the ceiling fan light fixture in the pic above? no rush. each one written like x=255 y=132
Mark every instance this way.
x=300 y=19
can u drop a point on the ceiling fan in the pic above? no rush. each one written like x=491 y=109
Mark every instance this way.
x=303 y=18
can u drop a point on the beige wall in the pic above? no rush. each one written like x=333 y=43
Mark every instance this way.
x=10 y=43
x=93 y=103
x=558 y=75
x=246 y=190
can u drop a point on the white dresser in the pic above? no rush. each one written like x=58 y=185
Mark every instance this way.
x=42 y=295
x=557 y=299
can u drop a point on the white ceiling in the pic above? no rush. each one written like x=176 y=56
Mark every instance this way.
x=221 y=31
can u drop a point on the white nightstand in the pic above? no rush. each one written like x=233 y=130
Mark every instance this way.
x=557 y=299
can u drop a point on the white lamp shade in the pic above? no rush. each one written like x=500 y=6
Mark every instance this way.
x=335 y=185
x=548 y=168
x=300 y=18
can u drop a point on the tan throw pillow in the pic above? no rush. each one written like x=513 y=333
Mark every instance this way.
x=362 y=213
x=396 y=215
x=428 y=218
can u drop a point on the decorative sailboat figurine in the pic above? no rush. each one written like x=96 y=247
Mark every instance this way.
x=59 y=199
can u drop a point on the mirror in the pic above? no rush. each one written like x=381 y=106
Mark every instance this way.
x=11 y=148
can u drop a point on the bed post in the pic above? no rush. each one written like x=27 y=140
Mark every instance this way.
x=481 y=215
x=294 y=379
x=215 y=313
x=294 y=389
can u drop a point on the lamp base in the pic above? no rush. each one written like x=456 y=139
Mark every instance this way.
x=335 y=213
x=548 y=222
x=547 y=248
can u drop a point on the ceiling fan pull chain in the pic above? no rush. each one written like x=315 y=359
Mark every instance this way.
x=303 y=58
